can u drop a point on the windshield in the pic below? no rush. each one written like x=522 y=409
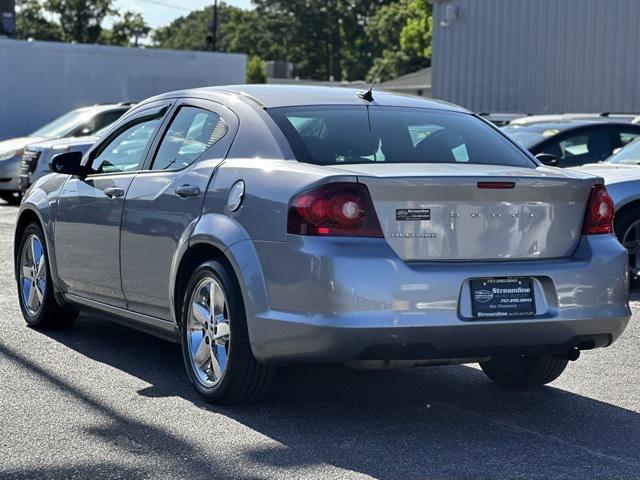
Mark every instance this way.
x=334 y=135
x=64 y=125
x=629 y=155
x=525 y=137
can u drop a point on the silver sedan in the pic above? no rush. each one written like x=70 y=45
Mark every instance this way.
x=267 y=225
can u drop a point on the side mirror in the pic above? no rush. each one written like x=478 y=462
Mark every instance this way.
x=548 y=159
x=86 y=131
x=68 y=163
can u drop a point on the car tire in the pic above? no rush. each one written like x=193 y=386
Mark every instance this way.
x=216 y=325
x=627 y=223
x=524 y=370
x=39 y=307
x=12 y=198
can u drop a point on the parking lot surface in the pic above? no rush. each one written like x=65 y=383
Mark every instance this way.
x=102 y=401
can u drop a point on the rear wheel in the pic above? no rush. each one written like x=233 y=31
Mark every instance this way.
x=627 y=228
x=215 y=340
x=35 y=289
x=12 y=198
x=524 y=370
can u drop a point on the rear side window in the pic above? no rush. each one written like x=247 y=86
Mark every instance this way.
x=192 y=131
x=334 y=135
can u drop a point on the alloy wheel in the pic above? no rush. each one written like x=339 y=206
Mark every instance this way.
x=631 y=241
x=208 y=332
x=33 y=275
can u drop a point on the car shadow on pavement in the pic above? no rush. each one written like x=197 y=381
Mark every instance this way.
x=440 y=422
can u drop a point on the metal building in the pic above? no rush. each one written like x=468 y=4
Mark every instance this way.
x=537 y=56
x=41 y=80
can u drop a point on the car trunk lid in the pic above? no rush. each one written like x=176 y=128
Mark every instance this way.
x=477 y=212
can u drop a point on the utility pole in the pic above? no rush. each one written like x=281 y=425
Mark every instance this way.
x=214 y=26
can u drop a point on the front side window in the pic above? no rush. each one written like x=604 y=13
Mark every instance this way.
x=330 y=135
x=192 y=131
x=124 y=152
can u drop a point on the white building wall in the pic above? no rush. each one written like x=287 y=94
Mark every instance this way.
x=41 y=80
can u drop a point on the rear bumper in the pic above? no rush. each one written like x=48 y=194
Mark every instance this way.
x=338 y=300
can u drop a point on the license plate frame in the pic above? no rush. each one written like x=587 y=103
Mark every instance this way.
x=502 y=298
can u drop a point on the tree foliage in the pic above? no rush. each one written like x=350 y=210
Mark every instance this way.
x=403 y=32
x=256 y=70
x=127 y=31
x=80 y=20
x=339 y=39
x=31 y=22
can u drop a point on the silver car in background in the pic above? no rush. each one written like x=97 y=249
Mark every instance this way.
x=268 y=225
x=79 y=122
x=621 y=173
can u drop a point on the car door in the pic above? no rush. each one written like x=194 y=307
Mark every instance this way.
x=89 y=210
x=164 y=201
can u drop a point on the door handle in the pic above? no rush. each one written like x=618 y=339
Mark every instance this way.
x=187 y=191
x=114 y=192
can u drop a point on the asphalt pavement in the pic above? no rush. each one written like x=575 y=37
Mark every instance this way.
x=102 y=401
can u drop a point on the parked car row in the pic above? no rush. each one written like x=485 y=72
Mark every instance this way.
x=24 y=159
x=265 y=225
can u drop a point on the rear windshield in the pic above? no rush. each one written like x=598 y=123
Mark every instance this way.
x=333 y=135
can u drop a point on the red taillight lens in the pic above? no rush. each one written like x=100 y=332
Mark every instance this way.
x=335 y=209
x=600 y=210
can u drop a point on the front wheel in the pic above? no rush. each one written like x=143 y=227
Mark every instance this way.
x=215 y=339
x=35 y=288
x=524 y=370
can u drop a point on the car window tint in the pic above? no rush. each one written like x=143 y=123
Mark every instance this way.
x=622 y=138
x=329 y=135
x=582 y=148
x=192 y=131
x=124 y=152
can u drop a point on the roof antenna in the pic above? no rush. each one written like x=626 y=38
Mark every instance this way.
x=368 y=95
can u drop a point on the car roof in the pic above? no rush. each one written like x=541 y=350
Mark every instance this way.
x=272 y=96
x=566 y=125
x=578 y=117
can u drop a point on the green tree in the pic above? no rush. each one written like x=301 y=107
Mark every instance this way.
x=31 y=22
x=127 y=31
x=80 y=20
x=256 y=70
x=324 y=38
x=401 y=32
x=238 y=30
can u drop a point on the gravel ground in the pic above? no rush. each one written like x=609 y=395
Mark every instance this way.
x=102 y=401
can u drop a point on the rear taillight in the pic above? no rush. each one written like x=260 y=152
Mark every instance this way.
x=600 y=210
x=335 y=209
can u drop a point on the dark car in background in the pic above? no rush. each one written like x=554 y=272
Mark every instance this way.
x=76 y=123
x=570 y=141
